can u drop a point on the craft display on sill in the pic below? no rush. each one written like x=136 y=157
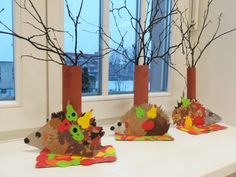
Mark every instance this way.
x=144 y=122
x=69 y=140
x=192 y=117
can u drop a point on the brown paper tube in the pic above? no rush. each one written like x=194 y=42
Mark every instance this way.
x=72 y=87
x=191 y=83
x=141 y=84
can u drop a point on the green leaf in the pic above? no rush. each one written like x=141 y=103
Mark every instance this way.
x=140 y=112
x=75 y=162
x=63 y=163
x=185 y=102
x=51 y=156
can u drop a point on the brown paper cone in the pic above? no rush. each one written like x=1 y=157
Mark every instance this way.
x=72 y=87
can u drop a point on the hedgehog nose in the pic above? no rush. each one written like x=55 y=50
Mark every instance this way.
x=26 y=140
x=112 y=128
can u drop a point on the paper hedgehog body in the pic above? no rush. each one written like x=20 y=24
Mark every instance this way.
x=143 y=120
x=194 y=118
x=61 y=136
x=70 y=135
x=192 y=113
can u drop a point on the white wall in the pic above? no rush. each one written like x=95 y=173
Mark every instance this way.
x=29 y=108
x=216 y=72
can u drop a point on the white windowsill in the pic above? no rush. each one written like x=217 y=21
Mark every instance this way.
x=121 y=97
x=99 y=98
x=9 y=104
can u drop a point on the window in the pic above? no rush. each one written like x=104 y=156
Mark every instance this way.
x=121 y=72
x=88 y=42
x=7 y=81
x=158 y=71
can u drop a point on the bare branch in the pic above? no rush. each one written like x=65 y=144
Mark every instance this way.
x=1 y=10
x=41 y=59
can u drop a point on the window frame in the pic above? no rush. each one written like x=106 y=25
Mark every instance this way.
x=104 y=92
x=105 y=96
x=104 y=76
x=17 y=52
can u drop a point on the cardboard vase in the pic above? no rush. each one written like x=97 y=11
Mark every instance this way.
x=141 y=84
x=191 y=83
x=72 y=87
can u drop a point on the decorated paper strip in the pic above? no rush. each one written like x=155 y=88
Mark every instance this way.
x=122 y=137
x=202 y=130
x=47 y=159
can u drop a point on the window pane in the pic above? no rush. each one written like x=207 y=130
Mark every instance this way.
x=121 y=73
x=88 y=42
x=158 y=70
x=7 y=80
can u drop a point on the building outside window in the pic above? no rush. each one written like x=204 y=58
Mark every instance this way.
x=88 y=42
x=121 y=73
x=7 y=79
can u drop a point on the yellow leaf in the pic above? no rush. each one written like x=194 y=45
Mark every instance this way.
x=76 y=157
x=152 y=113
x=110 y=150
x=100 y=154
x=188 y=122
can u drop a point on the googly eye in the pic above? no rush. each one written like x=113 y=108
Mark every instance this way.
x=112 y=128
x=119 y=124
x=38 y=134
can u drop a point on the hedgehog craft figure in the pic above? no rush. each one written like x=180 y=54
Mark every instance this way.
x=192 y=117
x=69 y=139
x=143 y=122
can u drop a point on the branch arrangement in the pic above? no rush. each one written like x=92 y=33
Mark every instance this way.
x=144 y=47
x=194 y=49
x=43 y=31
